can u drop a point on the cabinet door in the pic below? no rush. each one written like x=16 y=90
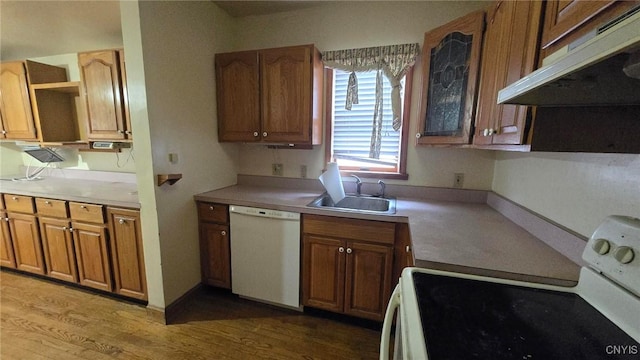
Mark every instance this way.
x=450 y=62
x=7 y=259
x=368 y=279
x=510 y=52
x=26 y=243
x=237 y=94
x=100 y=73
x=90 y=243
x=286 y=94
x=57 y=245
x=127 y=255
x=15 y=107
x=215 y=255
x=323 y=273
x=562 y=16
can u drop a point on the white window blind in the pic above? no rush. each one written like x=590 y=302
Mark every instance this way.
x=352 y=129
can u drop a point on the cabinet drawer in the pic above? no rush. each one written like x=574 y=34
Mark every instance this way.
x=18 y=203
x=53 y=208
x=86 y=212
x=354 y=229
x=213 y=212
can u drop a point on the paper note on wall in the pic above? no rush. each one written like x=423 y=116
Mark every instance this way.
x=332 y=182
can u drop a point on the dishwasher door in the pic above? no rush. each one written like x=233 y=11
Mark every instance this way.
x=265 y=255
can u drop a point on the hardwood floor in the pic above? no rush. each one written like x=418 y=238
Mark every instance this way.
x=44 y=320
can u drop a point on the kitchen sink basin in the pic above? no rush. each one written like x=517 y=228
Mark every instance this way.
x=363 y=203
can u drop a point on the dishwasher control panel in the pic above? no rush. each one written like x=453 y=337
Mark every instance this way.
x=264 y=212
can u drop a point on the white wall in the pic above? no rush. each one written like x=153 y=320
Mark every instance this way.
x=179 y=40
x=575 y=190
x=343 y=25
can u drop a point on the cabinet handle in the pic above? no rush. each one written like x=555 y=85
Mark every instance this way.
x=349 y=251
x=120 y=131
x=47 y=202
x=264 y=134
x=223 y=233
x=407 y=249
x=211 y=208
x=70 y=229
x=64 y=228
x=341 y=249
x=6 y=219
x=121 y=221
x=255 y=134
x=14 y=198
x=83 y=206
x=128 y=132
x=4 y=132
x=418 y=135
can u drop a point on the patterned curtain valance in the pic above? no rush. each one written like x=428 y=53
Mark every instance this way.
x=393 y=61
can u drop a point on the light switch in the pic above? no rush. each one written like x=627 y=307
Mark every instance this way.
x=173 y=158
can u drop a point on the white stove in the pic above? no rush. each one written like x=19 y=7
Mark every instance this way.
x=445 y=315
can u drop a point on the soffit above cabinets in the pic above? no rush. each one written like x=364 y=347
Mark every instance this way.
x=248 y=8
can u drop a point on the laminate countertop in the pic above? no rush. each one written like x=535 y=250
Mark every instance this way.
x=112 y=193
x=466 y=237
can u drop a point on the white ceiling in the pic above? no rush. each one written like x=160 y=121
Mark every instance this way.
x=31 y=29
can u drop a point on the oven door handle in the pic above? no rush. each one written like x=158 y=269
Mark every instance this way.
x=385 y=338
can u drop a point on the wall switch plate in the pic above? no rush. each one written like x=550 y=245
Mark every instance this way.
x=458 y=180
x=277 y=169
x=303 y=171
x=173 y=158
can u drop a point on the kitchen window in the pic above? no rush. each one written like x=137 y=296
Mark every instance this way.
x=349 y=132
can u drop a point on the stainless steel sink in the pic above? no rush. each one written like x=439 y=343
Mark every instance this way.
x=364 y=204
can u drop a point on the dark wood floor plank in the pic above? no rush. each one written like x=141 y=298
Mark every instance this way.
x=45 y=320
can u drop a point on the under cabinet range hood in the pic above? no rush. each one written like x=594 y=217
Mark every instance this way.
x=601 y=71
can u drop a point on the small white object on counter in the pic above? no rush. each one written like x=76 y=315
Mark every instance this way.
x=332 y=182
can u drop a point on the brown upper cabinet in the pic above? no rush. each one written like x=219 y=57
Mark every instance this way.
x=270 y=95
x=565 y=21
x=48 y=112
x=104 y=88
x=509 y=53
x=15 y=106
x=450 y=63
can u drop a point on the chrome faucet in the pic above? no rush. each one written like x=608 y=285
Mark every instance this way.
x=382 y=187
x=358 y=185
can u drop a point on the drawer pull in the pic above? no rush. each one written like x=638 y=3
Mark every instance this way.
x=14 y=198
x=83 y=207
x=47 y=202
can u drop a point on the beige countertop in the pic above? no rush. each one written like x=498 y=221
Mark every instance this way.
x=112 y=193
x=466 y=237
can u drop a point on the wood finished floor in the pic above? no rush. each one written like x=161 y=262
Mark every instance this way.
x=44 y=320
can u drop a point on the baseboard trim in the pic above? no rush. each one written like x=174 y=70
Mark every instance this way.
x=168 y=315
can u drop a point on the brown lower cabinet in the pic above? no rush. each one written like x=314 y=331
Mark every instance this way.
x=74 y=242
x=215 y=251
x=347 y=265
x=90 y=241
x=127 y=255
x=25 y=236
x=7 y=258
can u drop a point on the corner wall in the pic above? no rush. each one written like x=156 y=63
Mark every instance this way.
x=179 y=40
x=575 y=190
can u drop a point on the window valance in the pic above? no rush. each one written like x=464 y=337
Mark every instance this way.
x=393 y=61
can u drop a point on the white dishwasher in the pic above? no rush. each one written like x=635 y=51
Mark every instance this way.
x=265 y=255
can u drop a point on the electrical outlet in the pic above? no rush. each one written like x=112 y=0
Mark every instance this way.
x=277 y=169
x=303 y=171
x=458 y=180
